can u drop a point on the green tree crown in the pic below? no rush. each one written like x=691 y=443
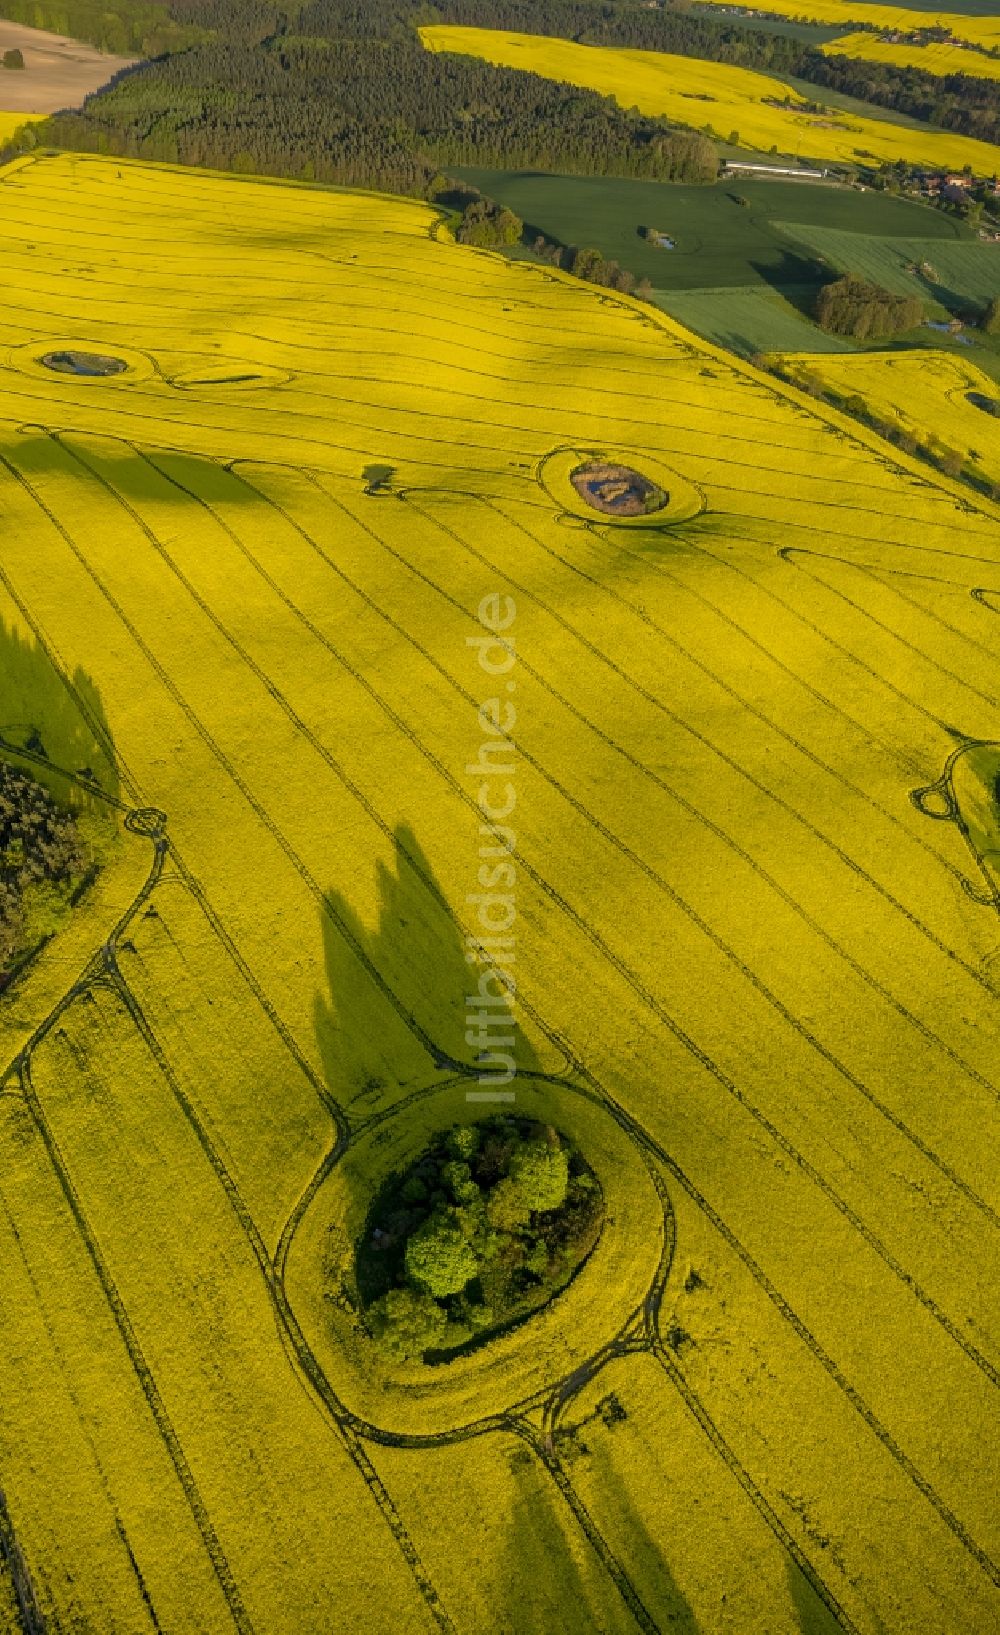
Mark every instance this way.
x=439 y=1257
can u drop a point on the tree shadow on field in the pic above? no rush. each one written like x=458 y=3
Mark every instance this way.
x=541 y=1588
x=641 y=1555
x=397 y=990
x=63 y=724
x=109 y=463
x=797 y=277
x=377 y=478
x=813 y=1615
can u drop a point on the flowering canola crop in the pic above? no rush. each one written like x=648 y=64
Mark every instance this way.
x=941 y=401
x=936 y=57
x=982 y=30
x=755 y=948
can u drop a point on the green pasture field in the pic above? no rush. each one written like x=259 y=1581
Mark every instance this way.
x=808 y=33
x=848 y=104
x=754 y=319
x=968 y=272
x=720 y=243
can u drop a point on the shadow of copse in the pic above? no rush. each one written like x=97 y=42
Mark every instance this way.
x=399 y=991
x=133 y=475
x=796 y=277
x=813 y=1615
x=59 y=720
x=642 y=1556
x=545 y=1591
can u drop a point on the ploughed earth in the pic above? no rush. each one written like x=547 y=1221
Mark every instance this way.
x=617 y=491
x=58 y=72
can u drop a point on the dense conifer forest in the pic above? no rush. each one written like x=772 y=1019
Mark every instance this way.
x=342 y=90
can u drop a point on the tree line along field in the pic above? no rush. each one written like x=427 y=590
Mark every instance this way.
x=942 y=402
x=764 y=112
x=756 y=943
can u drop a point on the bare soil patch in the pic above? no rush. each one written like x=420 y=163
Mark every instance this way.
x=58 y=72
x=617 y=490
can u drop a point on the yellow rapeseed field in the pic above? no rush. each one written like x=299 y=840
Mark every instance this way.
x=934 y=58
x=981 y=30
x=763 y=111
x=940 y=400
x=755 y=943
x=9 y=123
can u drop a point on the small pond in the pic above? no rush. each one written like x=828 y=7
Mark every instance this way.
x=84 y=363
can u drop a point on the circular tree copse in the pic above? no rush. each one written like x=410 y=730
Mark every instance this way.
x=482 y=1229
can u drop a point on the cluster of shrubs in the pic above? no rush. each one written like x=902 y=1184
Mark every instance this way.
x=485 y=1227
x=489 y=226
x=481 y=221
x=852 y=306
x=42 y=859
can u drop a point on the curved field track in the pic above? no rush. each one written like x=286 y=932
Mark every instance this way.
x=752 y=930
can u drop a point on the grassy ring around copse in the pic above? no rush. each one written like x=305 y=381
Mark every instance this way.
x=414 y=1399
x=684 y=499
